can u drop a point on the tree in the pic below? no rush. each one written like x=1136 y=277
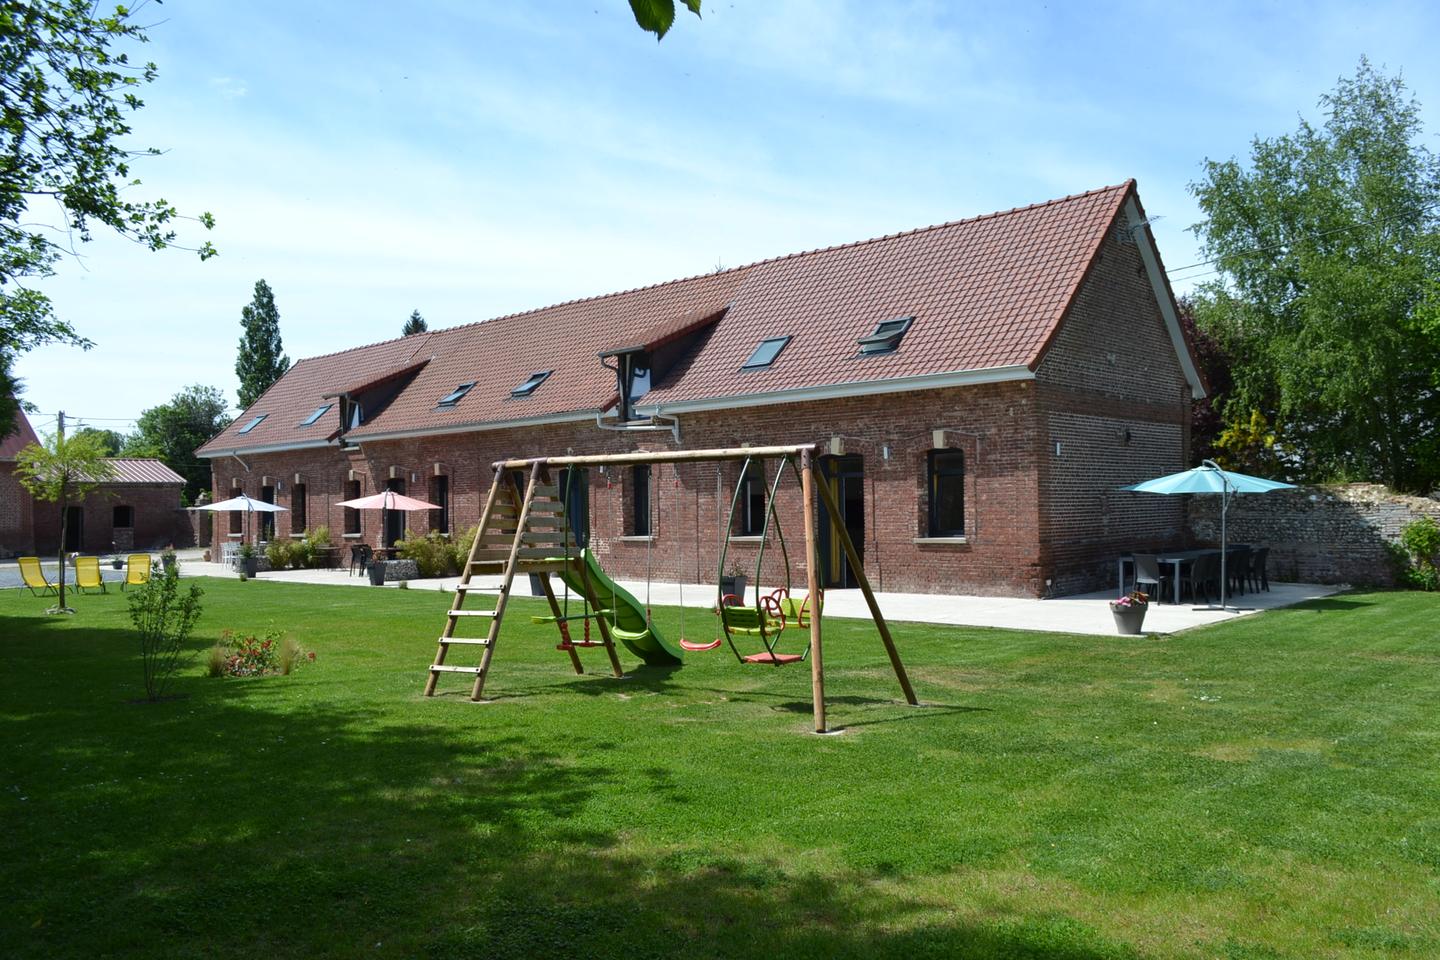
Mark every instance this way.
x=64 y=469
x=261 y=361
x=1206 y=422
x=66 y=95
x=110 y=441
x=172 y=431
x=164 y=618
x=416 y=324
x=1328 y=246
x=657 y=16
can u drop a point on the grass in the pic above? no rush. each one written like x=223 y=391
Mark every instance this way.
x=1263 y=789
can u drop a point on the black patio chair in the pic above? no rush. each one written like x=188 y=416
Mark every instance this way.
x=1203 y=574
x=360 y=556
x=1237 y=568
x=1258 y=573
x=1147 y=571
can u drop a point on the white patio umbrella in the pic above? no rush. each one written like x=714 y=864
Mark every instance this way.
x=1208 y=478
x=240 y=504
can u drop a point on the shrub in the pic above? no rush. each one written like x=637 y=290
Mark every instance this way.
x=292 y=657
x=252 y=656
x=460 y=549
x=433 y=554
x=215 y=661
x=164 y=618
x=302 y=554
x=278 y=553
x=1420 y=543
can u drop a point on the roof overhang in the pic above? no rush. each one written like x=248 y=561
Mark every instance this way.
x=1164 y=296
x=855 y=388
x=263 y=448
x=668 y=331
x=571 y=416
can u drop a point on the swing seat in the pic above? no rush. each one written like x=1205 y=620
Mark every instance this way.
x=578 y=644
x=700 y=647
x=777 y=659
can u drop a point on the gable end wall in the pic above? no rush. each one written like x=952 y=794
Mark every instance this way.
x=1112 y=394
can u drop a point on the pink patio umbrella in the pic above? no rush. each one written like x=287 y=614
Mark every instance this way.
x=388 y=500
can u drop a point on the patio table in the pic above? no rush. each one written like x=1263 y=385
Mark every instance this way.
x=1176 y=559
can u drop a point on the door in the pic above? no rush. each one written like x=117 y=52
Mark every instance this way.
x=395 y=519
x=845 y=476
x=575 y=491
x=74 y=529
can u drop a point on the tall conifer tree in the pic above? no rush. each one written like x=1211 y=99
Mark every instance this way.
x=261 y=360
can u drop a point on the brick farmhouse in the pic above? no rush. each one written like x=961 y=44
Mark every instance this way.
x=138 y=509
x=979 y=391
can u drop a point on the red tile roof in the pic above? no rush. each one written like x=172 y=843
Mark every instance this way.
x=986 y=293
x=22 y=436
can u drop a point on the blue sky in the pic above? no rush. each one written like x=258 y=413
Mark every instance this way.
x=470 y=159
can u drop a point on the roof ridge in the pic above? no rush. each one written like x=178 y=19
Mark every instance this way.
x=743 y=267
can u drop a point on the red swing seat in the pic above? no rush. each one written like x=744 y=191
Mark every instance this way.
x=700 y=647
x=777 y=659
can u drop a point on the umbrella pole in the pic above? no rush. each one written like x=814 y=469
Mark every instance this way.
x=1224 y=552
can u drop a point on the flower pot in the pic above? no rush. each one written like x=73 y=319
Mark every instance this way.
x=377 y=573
x=250 y=565
x=733 y=586
x=117 y=564
x=1128 y=620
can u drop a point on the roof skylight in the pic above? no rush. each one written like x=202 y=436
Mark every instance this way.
x=453 y=397
x=253 y=423
x=528 y=387
x=319 y=412
x=765 y=353
x=887 y=336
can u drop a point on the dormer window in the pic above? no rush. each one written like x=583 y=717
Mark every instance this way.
x=765 y=353
x=887 y=336
x=454 y=396
x=314 y=417
x=253 y=424
x=530 y=385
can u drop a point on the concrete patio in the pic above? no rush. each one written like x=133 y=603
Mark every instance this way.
x=1085 y=613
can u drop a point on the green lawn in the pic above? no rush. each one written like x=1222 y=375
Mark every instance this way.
x=1268 y=788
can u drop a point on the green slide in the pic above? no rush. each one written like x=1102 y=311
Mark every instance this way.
x=628 y=622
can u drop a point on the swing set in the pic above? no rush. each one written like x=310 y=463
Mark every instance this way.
x=531 y=534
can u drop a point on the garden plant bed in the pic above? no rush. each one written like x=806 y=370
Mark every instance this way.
x=1262 y=788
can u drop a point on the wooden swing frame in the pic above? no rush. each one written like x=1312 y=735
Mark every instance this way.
x=811 y=483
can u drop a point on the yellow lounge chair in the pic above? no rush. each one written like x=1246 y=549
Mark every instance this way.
x=137 y=570
x=87 y=574
x=35 y=576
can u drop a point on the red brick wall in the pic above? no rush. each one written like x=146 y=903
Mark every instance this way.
x=1115 y=400
x=158 y=519
x=995 y=425
x=17 y=532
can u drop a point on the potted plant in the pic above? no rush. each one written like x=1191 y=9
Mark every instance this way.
x=733 y=581
x=249 y=562
x=377 y=572
x=167 y=557
x=1129 y=612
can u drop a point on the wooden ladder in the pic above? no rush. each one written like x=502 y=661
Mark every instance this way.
x=514 y=536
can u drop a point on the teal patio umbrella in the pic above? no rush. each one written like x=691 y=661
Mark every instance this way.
x=1209 y=478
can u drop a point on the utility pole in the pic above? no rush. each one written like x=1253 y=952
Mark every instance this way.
x=61 y=430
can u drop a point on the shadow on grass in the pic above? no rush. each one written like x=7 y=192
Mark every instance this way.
x=1332 y=603
x=239 y=821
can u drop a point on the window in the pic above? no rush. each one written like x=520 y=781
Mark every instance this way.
x=297 y=508
x=352 y=516
x=319 y=412
x=887 y=336
x=395 y=519
x=947 y=493
x=574 y=485
x=765 y=353
x=528 y=387
x=267 y=520
x=752 y=501
x=357 y=414
x=640 y=500
x=440 y=496
x=253 y=423
x=122 y=517
x=454 y=396
x=237 y=519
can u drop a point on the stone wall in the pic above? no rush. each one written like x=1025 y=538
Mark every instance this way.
x=1320 y=534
